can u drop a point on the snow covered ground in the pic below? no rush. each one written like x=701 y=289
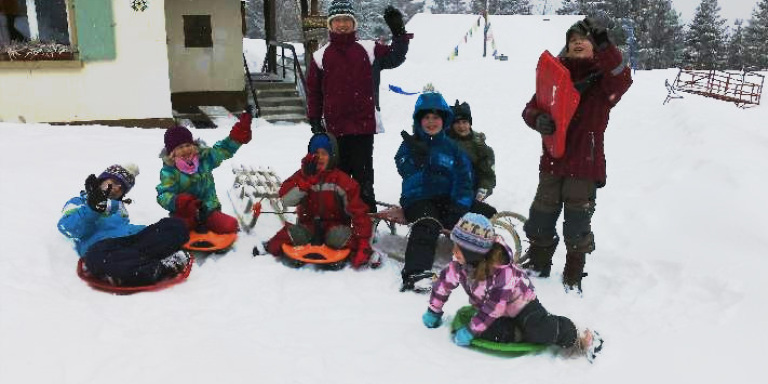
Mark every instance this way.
x=676 y=285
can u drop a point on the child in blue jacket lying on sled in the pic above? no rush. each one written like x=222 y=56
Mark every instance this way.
x=113 y=249
x=502 y=294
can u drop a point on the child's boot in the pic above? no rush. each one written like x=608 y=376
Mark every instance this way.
x=537 y=260
x=417 y=281
x=574 y=270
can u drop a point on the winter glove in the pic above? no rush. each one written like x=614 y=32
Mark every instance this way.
x=309 y=165
x=544 y=124
x=482 y=193
x=317 y=125
x=394 y=19
x=419 y=150
x=463 y=337
x=187 y=206
x=597 y=33
x=362 y=255
x=97 y=199
x=432 y=319
x=241 y=132
x=251 y=110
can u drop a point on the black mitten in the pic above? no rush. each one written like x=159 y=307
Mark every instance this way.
x=394 y=19
x=597 y=33
x=419 y=150
x=317 y=125
x=96 y=198
x=544 y=124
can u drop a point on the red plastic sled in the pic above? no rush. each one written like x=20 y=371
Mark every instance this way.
x=315 y=254
x=102 y=285
x=555 y=95
x=209 y=241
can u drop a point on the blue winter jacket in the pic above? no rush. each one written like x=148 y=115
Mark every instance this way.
x=86 y=227
x=447 y=171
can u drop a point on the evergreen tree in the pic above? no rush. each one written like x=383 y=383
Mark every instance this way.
x=662 y=36
x=502 y=7
x=756 y=37
x=450 y=7
x=705 y=39
x=736 y=47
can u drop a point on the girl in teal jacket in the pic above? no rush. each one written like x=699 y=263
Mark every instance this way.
x=187 y=189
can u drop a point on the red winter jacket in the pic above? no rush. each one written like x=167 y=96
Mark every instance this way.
x=334 y=197
x=340 y=82
x=584 y=156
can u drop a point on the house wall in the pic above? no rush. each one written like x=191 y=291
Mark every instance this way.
x=212 y=69
x=133 y=86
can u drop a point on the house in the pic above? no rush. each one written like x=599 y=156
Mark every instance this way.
x=122 y=62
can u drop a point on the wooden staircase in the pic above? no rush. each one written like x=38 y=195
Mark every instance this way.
x=278 y=99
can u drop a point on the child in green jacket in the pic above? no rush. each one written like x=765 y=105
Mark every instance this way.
x=187 y=189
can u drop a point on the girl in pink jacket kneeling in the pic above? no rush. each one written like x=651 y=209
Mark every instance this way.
x=502 y=294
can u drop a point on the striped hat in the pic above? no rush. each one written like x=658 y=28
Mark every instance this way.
x=341 y=8
x=475 y=235
x=123 y=174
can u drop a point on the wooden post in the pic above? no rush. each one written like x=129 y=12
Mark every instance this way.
x=270 y=30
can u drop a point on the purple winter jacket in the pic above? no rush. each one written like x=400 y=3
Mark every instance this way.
x=341 y=81
x=584 y=156
x=503 y=294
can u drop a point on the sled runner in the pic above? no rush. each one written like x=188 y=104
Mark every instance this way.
x=252 y=186
x=505 y=223
x=462 y=318
x=556 y=95
x=105 y=286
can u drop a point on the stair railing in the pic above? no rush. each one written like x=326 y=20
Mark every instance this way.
x=288 y=64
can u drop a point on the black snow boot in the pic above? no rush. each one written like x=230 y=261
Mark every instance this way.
x=537 y=260
x=574 y=270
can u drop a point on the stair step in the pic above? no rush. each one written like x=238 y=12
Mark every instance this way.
x=287 y=117
x=281 y=101
x=283 y=109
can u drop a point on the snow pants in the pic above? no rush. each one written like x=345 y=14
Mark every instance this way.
x=532 y=325
x=482 y=208
x=135 y=260
x=217 y=222
x=356 y=160
x=428 y=217
x=553 y=194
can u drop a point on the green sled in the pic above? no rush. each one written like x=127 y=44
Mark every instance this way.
x=465 y=314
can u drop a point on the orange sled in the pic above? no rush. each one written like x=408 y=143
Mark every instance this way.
x=315 y=254
x=102 y=285
x=209 y=241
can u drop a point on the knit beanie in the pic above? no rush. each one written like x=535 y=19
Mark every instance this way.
x=176 y=136
x=318 y=141
x=475 y=235
x=462 y=112
x=123 y=174
x=341 y=8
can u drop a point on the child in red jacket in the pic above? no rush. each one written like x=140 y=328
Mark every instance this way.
x=327 y=203
x=570 y=183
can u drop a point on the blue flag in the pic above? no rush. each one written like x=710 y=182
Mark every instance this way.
x=399 y=90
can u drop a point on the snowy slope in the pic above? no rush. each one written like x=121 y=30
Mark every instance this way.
x=675 y=286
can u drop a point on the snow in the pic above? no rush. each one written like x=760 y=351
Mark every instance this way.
x=676 y=285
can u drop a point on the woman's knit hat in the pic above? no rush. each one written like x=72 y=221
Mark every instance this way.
x=341 y=8
x=123 y=174
x=176 y=136
x=475 y=235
